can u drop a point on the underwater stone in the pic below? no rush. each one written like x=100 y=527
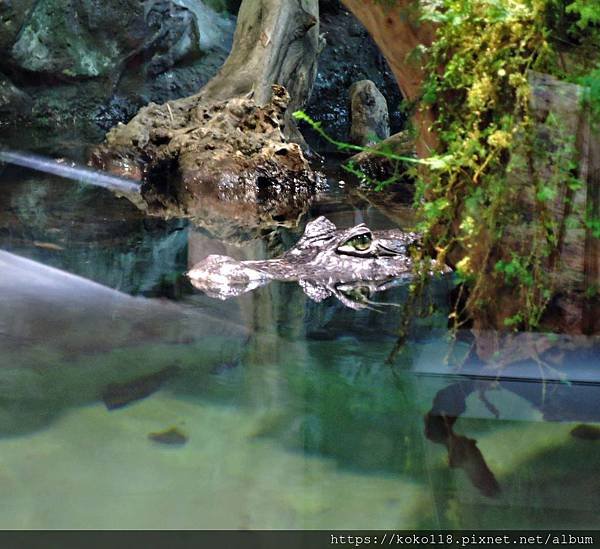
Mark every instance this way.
x=170 y=437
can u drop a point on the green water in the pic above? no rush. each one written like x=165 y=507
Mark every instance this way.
x=308 y=427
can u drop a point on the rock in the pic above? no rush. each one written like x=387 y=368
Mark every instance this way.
x=186 y=28
x=349 y=55
x=80 y=39
x=91 y=39
x=214 y=30
x=176 y=36
x=12 y=16
x=376 y=163
x=369 y=112
x=183 y=65
x=97 y=55
x=13 y=102
x=400 y=35
x=170 y=437
x=377 y=166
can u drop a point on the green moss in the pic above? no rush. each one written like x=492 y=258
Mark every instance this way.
x=487 y=197
x=480 y=87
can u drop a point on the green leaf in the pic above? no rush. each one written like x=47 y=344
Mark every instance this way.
x=439 y=162
x=546 y=193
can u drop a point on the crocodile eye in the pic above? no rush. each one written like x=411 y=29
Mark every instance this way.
x=361 y=242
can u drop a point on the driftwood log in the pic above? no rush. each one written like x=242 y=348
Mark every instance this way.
x=232 y=145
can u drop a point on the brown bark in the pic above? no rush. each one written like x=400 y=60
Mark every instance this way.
x=574 y=267
x=397 y=32
x=275 y=42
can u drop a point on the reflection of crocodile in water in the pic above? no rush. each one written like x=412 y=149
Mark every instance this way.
x=350 y=264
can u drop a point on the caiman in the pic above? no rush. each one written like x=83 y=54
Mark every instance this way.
x=348 y=263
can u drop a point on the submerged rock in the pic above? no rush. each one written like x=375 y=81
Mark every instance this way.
x=67 y=341
x=370 y=119
x=586 y=432
x=118 y=395
x=170 y=437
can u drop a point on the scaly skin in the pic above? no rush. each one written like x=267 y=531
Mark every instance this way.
x=348 y=263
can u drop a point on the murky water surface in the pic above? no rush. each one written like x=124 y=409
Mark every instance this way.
x=170 y=409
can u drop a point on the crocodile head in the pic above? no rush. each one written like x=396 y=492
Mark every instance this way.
x=326 y=261
x=343 y=255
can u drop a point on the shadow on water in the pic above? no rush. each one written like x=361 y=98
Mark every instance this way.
x=283 y=410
